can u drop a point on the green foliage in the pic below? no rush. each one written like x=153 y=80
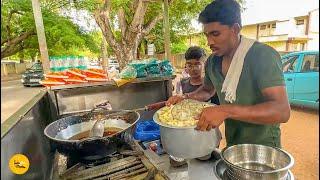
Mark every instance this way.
x=177 y=48
x=62 y=35
x=181 y=13
x=21 y=17
x=65 y=37
x=202 y=40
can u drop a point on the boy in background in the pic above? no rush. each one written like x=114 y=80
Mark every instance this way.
x=195 y=57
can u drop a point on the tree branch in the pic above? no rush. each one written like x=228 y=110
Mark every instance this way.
x=9 y=51
x=107 y=6
x=138 y=17
x=13 y=45
x=8 y=22
x=101 y=17
x=152 y=24
x=20 y=38
x=122 y=22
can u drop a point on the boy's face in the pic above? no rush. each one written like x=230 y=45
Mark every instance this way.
x=194 y=67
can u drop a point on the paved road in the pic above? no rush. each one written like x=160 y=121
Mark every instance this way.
x=13 y=96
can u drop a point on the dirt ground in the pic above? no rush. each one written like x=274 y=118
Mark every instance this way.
x=300 y=137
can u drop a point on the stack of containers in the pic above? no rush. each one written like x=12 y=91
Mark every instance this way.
x=72 y=62
x=58 y=63
x=82 y=63
x=63 y=63
x=68 y=63
x=53 y=66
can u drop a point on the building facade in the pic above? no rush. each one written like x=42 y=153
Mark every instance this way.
x=286 y=35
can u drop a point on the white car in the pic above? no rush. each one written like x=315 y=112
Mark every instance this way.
x=94 y=64
x=112 y=62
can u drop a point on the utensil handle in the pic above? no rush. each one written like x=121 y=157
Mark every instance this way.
x=155 y=106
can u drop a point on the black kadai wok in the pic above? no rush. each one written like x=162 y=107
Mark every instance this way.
x=70 y=135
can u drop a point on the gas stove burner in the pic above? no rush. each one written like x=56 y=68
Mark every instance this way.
x=114 y=153
x=221 y=171
x=97 y=162
x=97 y=155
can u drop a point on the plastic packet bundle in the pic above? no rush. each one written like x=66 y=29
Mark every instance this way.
x=140 y=67
x=153 y=68
x=166 y=68
x=128 y=72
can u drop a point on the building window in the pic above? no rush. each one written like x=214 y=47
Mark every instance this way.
x=263 y=27
x=299 y=21
x=274 y=25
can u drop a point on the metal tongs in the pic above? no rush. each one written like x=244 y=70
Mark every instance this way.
x=98 y=127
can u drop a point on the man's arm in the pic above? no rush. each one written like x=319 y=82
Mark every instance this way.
x=275 y=109
x=203 y=93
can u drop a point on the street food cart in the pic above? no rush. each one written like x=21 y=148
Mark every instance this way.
x=23 y=133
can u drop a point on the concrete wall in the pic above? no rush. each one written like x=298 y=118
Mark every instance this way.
x=313 y=44
x=249 y=31
x=2 y=70
x=8 y=68
x=279 y=46
x=283 y=27
x=20 y=68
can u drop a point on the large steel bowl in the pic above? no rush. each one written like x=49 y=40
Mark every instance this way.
x=186 y=142
x=252 y=161
x=59 y=133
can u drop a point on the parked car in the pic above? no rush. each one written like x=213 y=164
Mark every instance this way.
x=95 y=64
x=301 y=73
x=33 y=75
x=112 y=62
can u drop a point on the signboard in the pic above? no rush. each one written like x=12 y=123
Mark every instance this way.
x=151 y=49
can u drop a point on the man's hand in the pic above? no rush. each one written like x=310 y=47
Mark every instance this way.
x=211 y=117
x=174 y=100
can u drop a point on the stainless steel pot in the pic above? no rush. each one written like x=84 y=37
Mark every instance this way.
x=186 y=142
x=252 y=161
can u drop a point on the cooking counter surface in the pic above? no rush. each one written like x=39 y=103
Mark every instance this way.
x=203 y=170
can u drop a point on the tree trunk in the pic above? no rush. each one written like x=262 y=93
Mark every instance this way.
x=33 y=58
x=131 y=34
x=21 y=57
x=166 y=30
x=104 y=54
x=124 y=56
x=145 y=47
x=44 y=56
x=139 y=50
